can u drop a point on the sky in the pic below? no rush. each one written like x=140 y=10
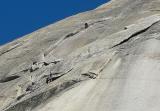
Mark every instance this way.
x=21 y=17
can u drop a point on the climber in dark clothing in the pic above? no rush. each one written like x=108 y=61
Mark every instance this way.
x=86 y=25
x=30 y=87
x=49 y=79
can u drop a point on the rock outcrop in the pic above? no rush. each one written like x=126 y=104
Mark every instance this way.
x=106 y=59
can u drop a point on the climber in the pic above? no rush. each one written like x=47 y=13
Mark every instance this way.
x=37 y=65
x=49 y=78
x=29 y=88
x=34 y=67
x=86 y=25
x=125 y=28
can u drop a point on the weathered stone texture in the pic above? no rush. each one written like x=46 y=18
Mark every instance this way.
x=107 y=59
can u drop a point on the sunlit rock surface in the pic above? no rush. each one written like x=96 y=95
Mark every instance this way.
x=107 y=59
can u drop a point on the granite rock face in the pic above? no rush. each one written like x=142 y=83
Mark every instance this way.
x=107 y=59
